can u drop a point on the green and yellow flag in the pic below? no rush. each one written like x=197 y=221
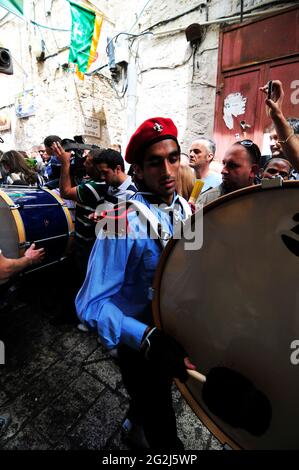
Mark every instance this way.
x=86 y=29
x=14 y=6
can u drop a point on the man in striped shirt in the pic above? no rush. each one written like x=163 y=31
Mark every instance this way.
x=107 y=185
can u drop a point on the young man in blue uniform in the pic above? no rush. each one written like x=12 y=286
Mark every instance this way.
x=115 y=295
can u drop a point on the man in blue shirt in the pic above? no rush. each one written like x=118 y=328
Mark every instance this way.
x=53 y=165
x=115 y=295
x=202 y=152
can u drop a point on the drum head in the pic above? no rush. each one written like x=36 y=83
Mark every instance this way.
x=234 y=303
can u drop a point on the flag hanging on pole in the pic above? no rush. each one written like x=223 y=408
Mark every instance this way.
x=13 y=6
x=86 y=29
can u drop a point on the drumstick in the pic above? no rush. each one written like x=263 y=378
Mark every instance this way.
x=197 y=375
x=235 y=400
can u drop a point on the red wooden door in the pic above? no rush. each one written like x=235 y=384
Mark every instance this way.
x=238 y=107
x=250 y=54
x=288 y=73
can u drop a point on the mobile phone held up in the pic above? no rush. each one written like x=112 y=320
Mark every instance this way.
x=269 y=93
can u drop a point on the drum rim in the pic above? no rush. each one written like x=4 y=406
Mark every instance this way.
x=198 y=410
x=17 y=220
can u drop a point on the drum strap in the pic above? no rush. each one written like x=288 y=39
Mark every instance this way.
x=163 y=237
x=186 y=207
x=120 y=211
x=161 y=234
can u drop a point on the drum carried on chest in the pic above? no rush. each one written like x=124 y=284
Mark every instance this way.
x=234 y=303
x=34 y=215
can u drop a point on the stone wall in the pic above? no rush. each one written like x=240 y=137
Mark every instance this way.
x=61 y=101
x=166 y=76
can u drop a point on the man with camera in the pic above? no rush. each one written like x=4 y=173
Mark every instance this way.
x=107 y=183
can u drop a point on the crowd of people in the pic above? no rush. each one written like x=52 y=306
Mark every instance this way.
x=113 y=274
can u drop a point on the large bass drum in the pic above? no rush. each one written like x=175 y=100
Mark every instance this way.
x=34 y=215
x=235 y=303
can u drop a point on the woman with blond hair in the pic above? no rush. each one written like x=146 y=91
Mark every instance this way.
x=185 y=181
x=17 y=169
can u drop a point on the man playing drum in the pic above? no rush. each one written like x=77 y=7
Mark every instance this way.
x=115 y=296
x=9 y=266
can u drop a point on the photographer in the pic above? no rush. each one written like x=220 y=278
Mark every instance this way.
x=107 y=183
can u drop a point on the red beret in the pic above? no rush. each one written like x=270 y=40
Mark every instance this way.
x=149 y=132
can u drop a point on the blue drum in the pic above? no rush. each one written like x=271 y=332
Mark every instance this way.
x=34 y=215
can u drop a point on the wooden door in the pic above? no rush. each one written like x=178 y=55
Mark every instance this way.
x=250 y=54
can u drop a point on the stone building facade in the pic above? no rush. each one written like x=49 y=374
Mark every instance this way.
x=159 y=72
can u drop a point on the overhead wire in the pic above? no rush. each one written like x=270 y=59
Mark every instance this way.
x=140 y=14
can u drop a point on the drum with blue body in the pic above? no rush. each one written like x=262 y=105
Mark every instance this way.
x=34 y=215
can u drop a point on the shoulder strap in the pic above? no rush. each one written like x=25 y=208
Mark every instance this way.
x=186 y=206
x=152 y=219
x=125 y=206
x=121 y=210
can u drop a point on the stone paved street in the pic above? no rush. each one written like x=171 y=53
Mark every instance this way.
x=62 y=390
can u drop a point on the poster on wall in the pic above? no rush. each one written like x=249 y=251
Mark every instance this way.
x=234 y=105
x=4 y=122
x=24 y=104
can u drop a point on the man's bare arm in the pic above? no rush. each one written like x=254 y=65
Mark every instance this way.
x=65 y=184
x=285 y=133
x=9 y=266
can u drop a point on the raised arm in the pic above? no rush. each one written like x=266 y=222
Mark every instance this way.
x=285 y=133
x=65 y=183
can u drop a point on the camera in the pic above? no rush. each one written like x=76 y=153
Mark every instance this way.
x=5 y=61
x=77 y=147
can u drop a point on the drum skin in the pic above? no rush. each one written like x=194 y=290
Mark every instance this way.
x=36 y=215
x=235 y=303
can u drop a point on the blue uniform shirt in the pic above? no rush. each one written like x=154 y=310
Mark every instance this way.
x=114 y=297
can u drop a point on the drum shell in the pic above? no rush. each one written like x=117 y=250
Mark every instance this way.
x=235 y=302
x=36 y=215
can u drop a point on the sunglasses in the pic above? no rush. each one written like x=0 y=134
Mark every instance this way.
x=273 y=171
x=252 y=148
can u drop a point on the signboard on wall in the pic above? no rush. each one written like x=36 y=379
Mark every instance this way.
x=24 y=104
x=91 y=126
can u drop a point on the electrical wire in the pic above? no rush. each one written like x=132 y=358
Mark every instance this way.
x=170 y=67
x=140 y=15
x=48 y=27
x=4 y=16
x=120 y=34
x=161 y=23
x=223 y=18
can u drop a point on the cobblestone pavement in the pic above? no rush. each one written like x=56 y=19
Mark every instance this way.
x=62 y=390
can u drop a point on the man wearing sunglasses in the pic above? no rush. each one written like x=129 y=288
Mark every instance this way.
x=240 y=166
x=277 y=167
